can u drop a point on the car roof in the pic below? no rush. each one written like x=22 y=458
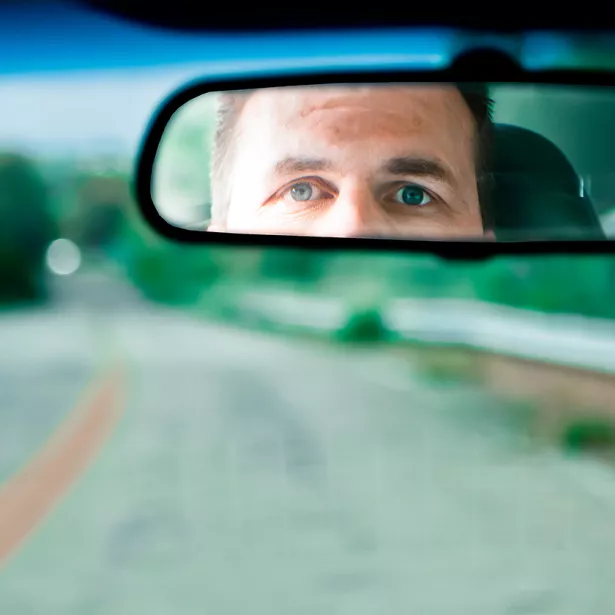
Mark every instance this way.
x=42 y=35
x=523 y=15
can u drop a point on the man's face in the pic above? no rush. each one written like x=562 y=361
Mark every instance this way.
x=355 y=161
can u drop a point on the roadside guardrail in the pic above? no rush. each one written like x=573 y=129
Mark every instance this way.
x=563 y=339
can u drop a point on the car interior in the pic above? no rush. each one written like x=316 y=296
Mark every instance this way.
x=219 y=423
x=529 y=172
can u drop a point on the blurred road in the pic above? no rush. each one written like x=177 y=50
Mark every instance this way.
x=268 y=475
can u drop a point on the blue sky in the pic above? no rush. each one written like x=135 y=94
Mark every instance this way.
x=81 y=111
x=73 y=80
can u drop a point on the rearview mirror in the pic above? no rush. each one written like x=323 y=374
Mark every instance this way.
x=384 y=159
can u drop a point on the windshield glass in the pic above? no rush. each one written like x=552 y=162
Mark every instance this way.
x=188 y=430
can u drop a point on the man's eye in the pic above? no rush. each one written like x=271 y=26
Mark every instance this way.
x=303 y=196
x=305 y=191
x=413 y=195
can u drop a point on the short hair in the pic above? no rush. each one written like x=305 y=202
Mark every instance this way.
x=231 y=104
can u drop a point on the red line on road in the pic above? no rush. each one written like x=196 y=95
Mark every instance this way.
x=32 y=493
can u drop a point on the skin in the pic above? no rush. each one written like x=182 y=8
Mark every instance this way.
x=339 y=161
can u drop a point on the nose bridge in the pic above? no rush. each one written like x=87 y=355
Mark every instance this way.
x=356 y=210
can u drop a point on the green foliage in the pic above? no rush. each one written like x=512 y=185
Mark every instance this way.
x=101 y=201
x=21 y=279
x=587 y=435
x=582 y=285
x=27 y=227
x=574 y=284
x=25 y=218
x=364 y=326
x=294 y=265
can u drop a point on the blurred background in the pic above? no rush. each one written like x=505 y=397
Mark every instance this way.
x=67 y=176
x=301 y=432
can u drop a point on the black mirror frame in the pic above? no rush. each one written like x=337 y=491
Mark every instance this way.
x=494 y=69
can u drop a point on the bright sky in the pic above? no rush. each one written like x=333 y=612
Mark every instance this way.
x=72 y=80
x=46 y=110
x=83 y=111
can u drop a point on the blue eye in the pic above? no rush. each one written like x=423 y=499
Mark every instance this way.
x=301 y=192
x=413 y=195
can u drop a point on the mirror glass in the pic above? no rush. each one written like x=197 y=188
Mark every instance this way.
x=394 y=160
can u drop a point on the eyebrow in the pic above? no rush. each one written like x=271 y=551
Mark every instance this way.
x=405 y=165
x=425 y=167
x=302 y=165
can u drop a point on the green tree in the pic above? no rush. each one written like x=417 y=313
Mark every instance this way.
x=26 y=228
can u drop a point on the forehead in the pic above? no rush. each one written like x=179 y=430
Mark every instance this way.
x=339 y=114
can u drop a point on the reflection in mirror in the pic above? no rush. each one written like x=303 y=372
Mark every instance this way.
x=436 y=161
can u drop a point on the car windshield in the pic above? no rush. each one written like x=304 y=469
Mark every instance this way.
x=214 y=429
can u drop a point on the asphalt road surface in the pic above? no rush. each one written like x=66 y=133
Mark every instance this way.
x=261 y=475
